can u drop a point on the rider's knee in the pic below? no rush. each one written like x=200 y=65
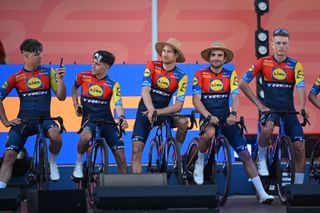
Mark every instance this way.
x=85 y=137
x=209 y=133
x=299 y=149
x=245 y=156
x=183 y=123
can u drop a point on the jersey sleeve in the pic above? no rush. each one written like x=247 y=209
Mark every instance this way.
x=316 y=87
x=234 y=89
x=197 y=84
x=147 y=75
x=116 y=93
x=299 y=76
x=78 y=81
x=182 y=88
x=53 y=80
x=253 y=71
x=6 y=87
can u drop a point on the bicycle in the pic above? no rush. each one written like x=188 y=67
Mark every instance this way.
x=164 y=156
x=314 y=171
x=96 y=162
x=39 y=168
x=218 y=164
x=280 y=156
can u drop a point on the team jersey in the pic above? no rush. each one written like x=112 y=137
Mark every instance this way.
x=163 y=84
x=96 y=94
x=33 y=89
x=316 y=87
x=278 y=81
x=215 y=89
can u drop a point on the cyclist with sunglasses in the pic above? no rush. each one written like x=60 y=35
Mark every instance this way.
x=33 y=84
x=97 y=90
x=314 y=92
x=280 y=75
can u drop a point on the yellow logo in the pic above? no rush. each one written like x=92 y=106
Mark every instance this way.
x=34 y=83
x=118 y=93
x=251 y=68
x=216 y=85
x=5 y=85
x=146 y=73
x=195 y=81
x=279 y=74
x=184 y=87
x=95 y=91
x=300 y=74
x=163 y=82
x=235 y=81
x=318 y=82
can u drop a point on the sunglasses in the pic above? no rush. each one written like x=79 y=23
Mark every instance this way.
x=99 y=57
x=280 y=31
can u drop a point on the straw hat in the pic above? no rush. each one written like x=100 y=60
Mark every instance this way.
x=217 y=45
x=175 y=44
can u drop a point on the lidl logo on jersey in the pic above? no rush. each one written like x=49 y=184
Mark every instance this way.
x=216 y=85
x=95 y=91
x=163 y=82
x=279 y=74
x=147 y=72
x=34 y=83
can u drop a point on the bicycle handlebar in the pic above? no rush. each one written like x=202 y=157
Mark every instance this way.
x=207 y=122
x=99 y=121
x=264 y=120
x=191 y=116
x=26 y=120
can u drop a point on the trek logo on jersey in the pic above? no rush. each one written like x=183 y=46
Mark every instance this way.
x=216 y=85
x=195 y=81
x=279 y=74
x=5 y=85
x=95 y=91
x=300 y=74
x=34 y=83
x=147 y=72
x=163 y=82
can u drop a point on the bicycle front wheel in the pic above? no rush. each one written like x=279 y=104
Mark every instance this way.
x=98 y=166
x=314 y=172
x=285 y=167
x=189 y=160
x=154 y=160
x=43 y=167
x=221 y=171
x=173 y=164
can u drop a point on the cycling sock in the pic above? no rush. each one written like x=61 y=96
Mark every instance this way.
x=262 y=153
x=2 y=185
x=201 y=157
x=53 y=158
x=299 y=178
x=79 y=158
x=259 y=187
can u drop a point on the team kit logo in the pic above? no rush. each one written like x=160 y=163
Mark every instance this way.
x=95 y=91
x=163 y=82
x=216 y=85
x=195 y=81
x=147 y=72
x=5 y=85
x=34 y=83
x=300 y=74
x=279 y=74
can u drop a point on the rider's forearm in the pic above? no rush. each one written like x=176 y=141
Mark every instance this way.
x=235 y=102
x=196 y=101
x=75 y=97
x=120 y=111
x=248 y=92
x=61 y=90
x=302 y=96
x=313 y=99
x=147 y=98
x=176 y=107
x=3 y=115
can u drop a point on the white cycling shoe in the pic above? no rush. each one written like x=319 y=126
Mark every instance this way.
x=54 y=172
x=77 y=171
x=198 y=172
x=266 y=199
x=262 y=168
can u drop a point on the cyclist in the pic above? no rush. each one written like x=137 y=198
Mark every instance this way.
x=161 y=79
x=33 y=83
x=314 y=92
x=97 y=90
x=212 y=87
x=280 y=74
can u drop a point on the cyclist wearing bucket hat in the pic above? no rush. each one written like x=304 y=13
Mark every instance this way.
x=281 y=74
x=161 y=80
x=33 y=84
x=97 y=91
x=211 y=88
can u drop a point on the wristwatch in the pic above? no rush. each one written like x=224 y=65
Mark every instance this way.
x=234 y=113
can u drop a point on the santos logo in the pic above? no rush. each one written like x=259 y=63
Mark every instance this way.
x=163 y=82
x=216 y=85
x=279 y=74
x=34 y=83
x=95 y=91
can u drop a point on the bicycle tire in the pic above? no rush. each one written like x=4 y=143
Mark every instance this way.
x=43 y=167
x=189 y=161
x=96 y=168
x=173 y=164
x=314 y=170
x=154 y=160
x=285 y=167
x=221 y=171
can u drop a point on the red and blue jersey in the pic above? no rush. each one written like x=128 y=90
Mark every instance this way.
x=96 y=94
x=278 y=81
x=316 y=87
x=33 y=89
x=163 y=84
x=215 y=89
